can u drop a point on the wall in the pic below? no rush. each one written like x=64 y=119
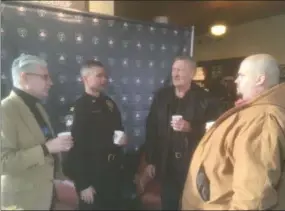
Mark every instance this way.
x=76 y=5
x=260 y=36
x=103 y=7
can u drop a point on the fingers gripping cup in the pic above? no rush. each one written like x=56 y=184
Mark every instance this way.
x=68 y=147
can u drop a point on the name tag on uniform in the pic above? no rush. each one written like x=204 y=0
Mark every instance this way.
x=96 y=111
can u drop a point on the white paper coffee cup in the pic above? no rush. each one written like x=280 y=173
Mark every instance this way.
x=119 y=137
x=64 y=134
x=209 y=125
x=176 y=117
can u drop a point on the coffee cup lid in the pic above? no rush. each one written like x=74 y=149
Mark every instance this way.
x=64 y=134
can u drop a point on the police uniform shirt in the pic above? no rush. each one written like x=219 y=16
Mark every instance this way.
x=95 y=120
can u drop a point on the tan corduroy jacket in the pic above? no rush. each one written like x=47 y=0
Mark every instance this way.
x=243 y=157
x=27 y=175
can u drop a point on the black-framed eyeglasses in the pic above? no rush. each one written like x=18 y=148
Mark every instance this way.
x=45 y=77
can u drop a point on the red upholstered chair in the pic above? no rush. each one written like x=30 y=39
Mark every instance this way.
x=66 y=195
x=150 y=196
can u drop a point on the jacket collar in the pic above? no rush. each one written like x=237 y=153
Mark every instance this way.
x=272 y=96
x=27 y=116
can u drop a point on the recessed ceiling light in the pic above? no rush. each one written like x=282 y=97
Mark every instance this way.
x=218 y=29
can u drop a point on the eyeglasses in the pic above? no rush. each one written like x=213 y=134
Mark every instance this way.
x=45 y=77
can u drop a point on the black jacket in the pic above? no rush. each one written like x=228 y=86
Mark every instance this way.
x=199 y=108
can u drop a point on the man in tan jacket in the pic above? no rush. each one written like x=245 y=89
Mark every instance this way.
x=239 y=163
x=28 y=147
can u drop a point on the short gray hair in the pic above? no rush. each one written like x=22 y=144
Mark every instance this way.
x=25 y=63
x=267 y=65
x=188 y=59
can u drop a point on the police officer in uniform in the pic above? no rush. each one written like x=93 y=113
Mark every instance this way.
x=94 y=163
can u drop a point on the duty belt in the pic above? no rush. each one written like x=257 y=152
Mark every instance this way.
x=111 y=157
x=178 y=155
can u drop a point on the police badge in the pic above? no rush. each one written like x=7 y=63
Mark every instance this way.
x=110 y=105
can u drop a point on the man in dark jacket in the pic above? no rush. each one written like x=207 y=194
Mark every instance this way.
x=175 y=123
x=94 y=163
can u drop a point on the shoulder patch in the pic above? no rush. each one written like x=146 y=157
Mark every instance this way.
x=110 y=105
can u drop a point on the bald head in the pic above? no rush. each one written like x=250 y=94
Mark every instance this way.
x=263 y=64
x=257 y=73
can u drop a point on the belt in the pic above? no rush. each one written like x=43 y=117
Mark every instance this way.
x=111 y=157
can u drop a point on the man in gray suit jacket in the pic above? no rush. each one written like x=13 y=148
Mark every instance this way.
x=28 y=147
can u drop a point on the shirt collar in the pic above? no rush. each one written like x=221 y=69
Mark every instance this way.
x=93 y=97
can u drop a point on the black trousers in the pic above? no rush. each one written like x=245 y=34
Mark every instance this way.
x=102 y=202
x=108 y=194
x=173 y=184
x=171 y=194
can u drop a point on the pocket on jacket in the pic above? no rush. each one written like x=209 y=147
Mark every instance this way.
x=203 y=184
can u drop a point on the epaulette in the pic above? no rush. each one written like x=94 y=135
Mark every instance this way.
x=110 y=105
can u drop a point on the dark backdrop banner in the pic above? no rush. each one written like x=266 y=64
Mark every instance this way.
x=138 y=57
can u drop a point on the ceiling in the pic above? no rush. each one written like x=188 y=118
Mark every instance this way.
x=202 y=14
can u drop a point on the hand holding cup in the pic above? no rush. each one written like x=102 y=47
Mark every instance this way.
x=62 y=143
x=179 y=124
